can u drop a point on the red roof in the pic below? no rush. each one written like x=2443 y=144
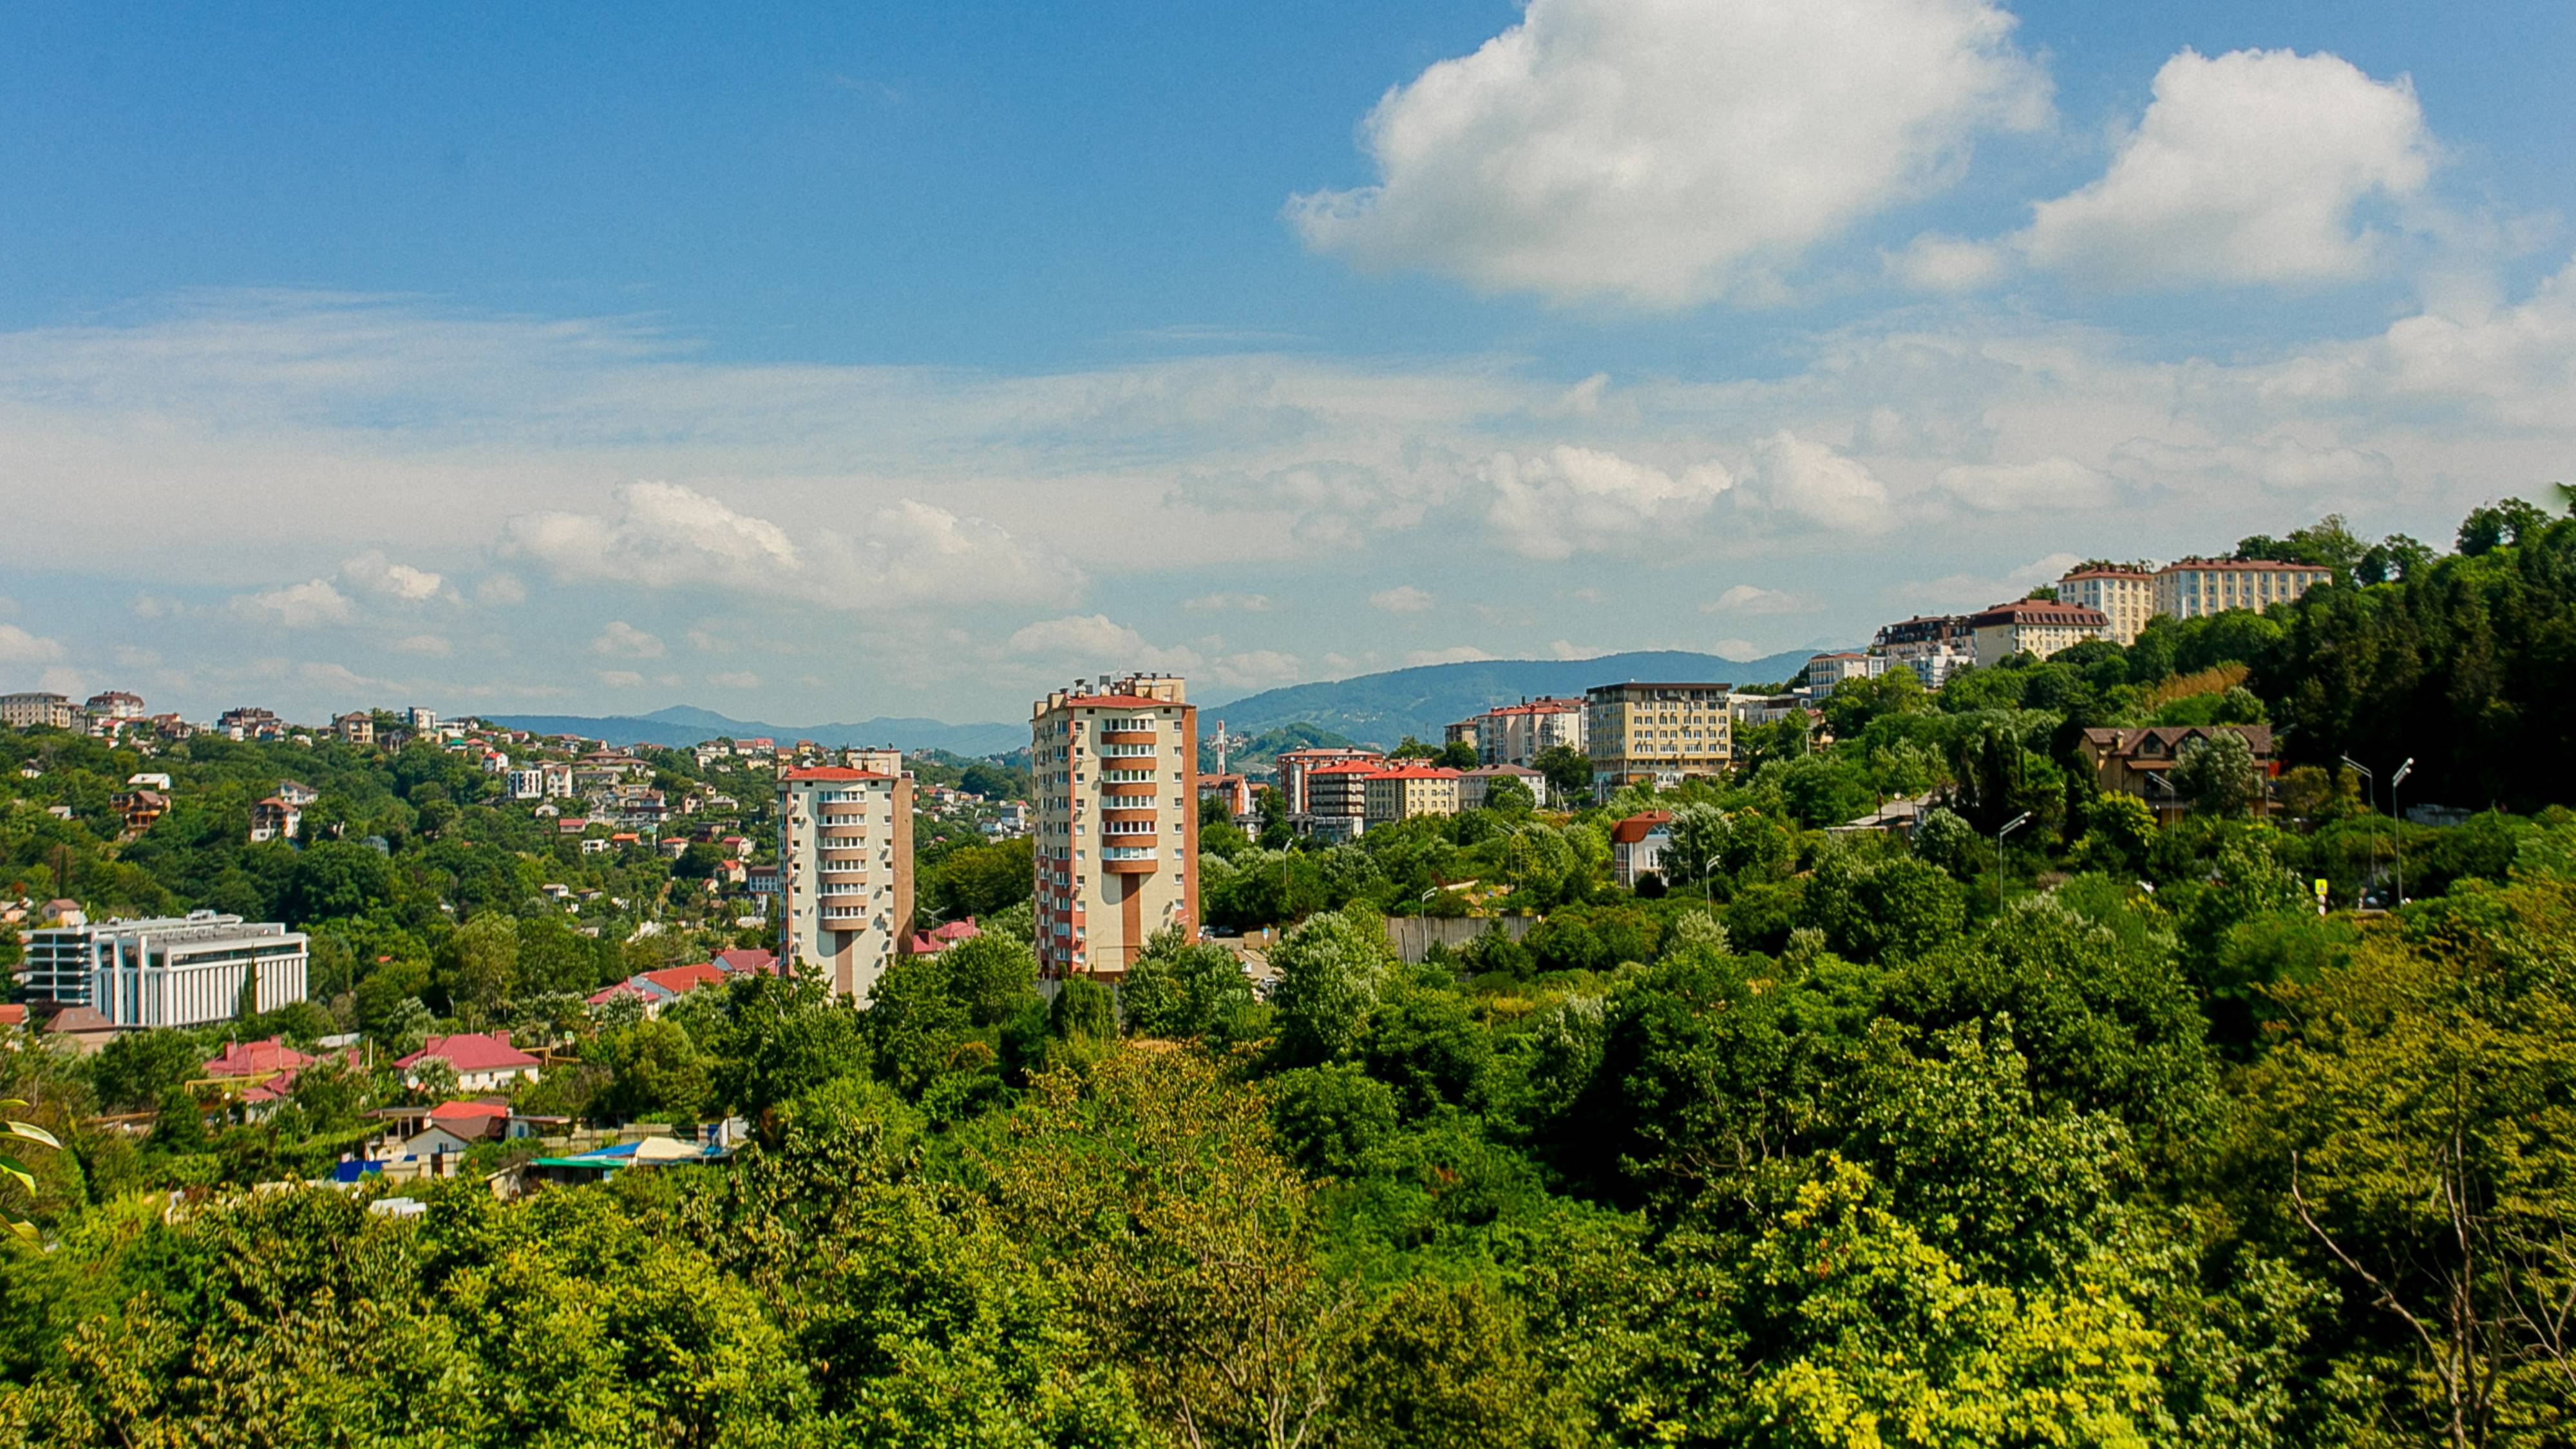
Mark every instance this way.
x=469 y=1052
x=256 y=1059
x=1346 y=767
x=2041 y=611
x=940 y=938
x=746 y=960
x=456 y=1111
x=2242 y=563
x=679 y=980
x=1415 y=772
x=13 y=1014
x=1637 y=827
x=831 y=772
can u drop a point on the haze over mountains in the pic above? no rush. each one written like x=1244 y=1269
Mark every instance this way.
x=1373 y=708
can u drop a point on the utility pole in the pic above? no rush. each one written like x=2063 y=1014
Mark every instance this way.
x=2397 y=825
x=2008 y=827
x=2370 y=803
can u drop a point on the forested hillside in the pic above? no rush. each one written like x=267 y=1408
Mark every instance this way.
x=2096 y=1132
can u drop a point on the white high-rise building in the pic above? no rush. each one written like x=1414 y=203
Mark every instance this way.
x=845 y=872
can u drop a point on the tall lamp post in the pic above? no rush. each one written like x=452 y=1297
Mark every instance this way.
x=2007 y=828
x=1707 y=890
x=2370 y=802
x=2396 y=830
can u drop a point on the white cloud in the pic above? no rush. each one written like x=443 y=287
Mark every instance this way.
x=663 y=536
x=1670 y=152
x=1747 y=599
x=312 y=605
x=1566 y=500
x=625 y=641
x=2044 y=483
x=1737 y=650
x=500 y=591
x=17 y=646
x=1811 y=483
x=2275 y=465
x=735 y=679
x=1218 y=603
x=2246 y=168
x=1257 y=669
x=1947 y=264
x=373 y=573
x=430 y=644
x=1096 y=639
x=1976 y=591
x=1402 y=599
x=1455 y=654
x=620 y=678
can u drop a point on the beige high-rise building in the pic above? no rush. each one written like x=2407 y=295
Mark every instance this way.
x=845 y=871
x=1657 y=734
x=2125 y=596
x=1117 y=825
x=1514 y=734
x=1408 y=789
x=2037 y=627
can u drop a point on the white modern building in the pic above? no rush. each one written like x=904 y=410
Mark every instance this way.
x=167 y=971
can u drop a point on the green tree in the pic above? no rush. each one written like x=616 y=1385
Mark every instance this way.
x=1178 y=988
x=2217 y=773
x=1329 y=971
x=1567 y=770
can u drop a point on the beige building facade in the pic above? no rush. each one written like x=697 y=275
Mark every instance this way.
x=1117 y=823
x=1514 y=734
x=1657 y=733
x=1409 y=790
x=845 y=872
x=26 y=711
x=2032 y=626
x=2125 y=596
x=2194 y=587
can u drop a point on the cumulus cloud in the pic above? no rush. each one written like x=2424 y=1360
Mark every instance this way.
x=735 y=679
x=430 y=644
x=1747 y=599
x=17 y=646
x=1554 y=504
x=620 y=678
x=2277 y=465
x=1402 y=599
x=1674 y=151
x=500 y=591
x=312 y=605
x=373 y=573
x=2246 y=168
x=2043 y=483
x=1808 y=482
x=1095 y=638
x=663 y=535
x=623 y=640
x=1948 y=264
x=1976 y=591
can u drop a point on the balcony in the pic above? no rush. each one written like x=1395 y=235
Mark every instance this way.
x=1128 y=752
x=1127 y=860
x=1128 y=737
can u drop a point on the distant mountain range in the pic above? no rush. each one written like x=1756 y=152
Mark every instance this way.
x=1381 y=709
x=682 y=725
x=1378 y=709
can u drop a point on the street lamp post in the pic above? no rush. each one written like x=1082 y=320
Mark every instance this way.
x=2008 y=827
x=1707 y=890
x=2370 y=803
x=2396 y=825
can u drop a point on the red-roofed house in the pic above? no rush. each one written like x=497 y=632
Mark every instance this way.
x=1637 y=845
x=940 y=938
x=256 y=1059
x=481 y=1062
x=745 y=960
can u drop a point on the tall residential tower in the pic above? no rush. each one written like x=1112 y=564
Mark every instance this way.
x=845 y=869
x=1117 y=821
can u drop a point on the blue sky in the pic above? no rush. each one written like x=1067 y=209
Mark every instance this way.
x=822 y=363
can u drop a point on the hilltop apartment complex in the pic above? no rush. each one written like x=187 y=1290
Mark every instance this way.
x=1659 y=733
x=845 y=868
x=1117 y=827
